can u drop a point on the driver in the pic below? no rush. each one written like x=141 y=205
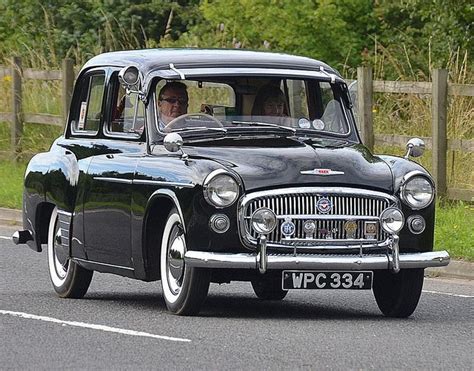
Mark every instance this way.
x=172 y=102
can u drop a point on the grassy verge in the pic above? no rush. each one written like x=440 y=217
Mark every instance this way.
x=11 y=191
x=453 y=231
x=454 y=220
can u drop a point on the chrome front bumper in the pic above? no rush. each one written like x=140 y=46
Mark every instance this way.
x=315 y=262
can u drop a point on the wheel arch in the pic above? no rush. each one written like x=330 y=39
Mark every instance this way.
x=159 y=206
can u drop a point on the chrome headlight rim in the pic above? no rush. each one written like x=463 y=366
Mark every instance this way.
x=212 y=176
x=403 y=189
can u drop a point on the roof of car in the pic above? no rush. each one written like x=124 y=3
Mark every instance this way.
x=149 y=60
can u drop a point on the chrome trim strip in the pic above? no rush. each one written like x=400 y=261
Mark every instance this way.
x=144 y=181
x=345 y=191
x=103 y=264
x=310 y=261
x=113 y=180
x=162 y=183
x=326 y=217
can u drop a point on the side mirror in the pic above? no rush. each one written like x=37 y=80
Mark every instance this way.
x=415 y=147
x=173 y=142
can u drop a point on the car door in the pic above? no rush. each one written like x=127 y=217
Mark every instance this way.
x=107 y=196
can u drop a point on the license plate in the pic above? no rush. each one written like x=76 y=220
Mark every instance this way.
x=360 y=280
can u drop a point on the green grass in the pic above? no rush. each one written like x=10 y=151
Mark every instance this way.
x=11 y=190
x=454 y=229
x=454 y=220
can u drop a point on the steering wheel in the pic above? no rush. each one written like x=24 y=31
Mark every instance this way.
x=184 y=121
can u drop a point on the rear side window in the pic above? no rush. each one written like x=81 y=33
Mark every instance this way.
x=89 y=115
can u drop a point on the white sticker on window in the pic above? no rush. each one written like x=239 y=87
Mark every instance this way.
x=82 y=116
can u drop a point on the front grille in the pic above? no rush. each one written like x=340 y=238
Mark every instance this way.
x=299 y=205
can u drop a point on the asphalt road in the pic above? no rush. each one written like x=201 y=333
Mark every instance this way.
x=122 y=323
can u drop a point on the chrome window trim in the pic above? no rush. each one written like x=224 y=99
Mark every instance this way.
x=240 y=71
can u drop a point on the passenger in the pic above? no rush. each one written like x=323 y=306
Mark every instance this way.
x=172 y=102
x=270 y=101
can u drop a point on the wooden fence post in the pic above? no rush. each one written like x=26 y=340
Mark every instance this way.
x=67 y=86
x=364 y=98
x=17 y=119
x=439 y=128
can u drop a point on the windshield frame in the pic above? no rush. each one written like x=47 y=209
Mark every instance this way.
x=156 y=135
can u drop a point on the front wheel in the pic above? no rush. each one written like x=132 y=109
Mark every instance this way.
x=184 y=288
x=69 y=279
x=397 y=295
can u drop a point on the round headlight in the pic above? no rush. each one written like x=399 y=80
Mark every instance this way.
x=264 y=220
x=392 y=220
x=417 y=192
x=220 y=189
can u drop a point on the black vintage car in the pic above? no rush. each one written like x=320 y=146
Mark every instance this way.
x=259 y=175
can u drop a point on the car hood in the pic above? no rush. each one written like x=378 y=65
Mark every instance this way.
x=288 y=163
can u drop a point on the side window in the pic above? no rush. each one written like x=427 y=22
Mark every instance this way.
x=128 y=115
x=333 y=116
x=90 y=105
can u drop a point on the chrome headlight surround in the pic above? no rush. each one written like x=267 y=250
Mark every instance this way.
x=220 y=189
x=417 y=190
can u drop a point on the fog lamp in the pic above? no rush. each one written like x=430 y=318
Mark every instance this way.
x=263 y=220
x=392 y=220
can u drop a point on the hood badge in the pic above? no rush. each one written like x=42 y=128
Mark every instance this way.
x=323 y=172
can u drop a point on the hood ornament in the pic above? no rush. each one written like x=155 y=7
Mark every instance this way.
x=323 y=172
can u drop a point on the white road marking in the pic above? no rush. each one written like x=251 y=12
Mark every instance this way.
x=448 y=293
x=92 y=326
x=5 y=238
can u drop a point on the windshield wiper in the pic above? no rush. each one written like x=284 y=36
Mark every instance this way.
x=265 y=124
x=199 y=129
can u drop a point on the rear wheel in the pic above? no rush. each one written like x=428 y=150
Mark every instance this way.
x=397 y=295
x=184 y=288
x=268 y=287
x=69 y=279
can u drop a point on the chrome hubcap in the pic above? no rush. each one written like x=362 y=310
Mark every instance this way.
x=176 y=251
x=60 y=256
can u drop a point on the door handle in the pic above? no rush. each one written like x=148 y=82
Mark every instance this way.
x=109 y=156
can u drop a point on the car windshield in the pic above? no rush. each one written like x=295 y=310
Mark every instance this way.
x=251 y=105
